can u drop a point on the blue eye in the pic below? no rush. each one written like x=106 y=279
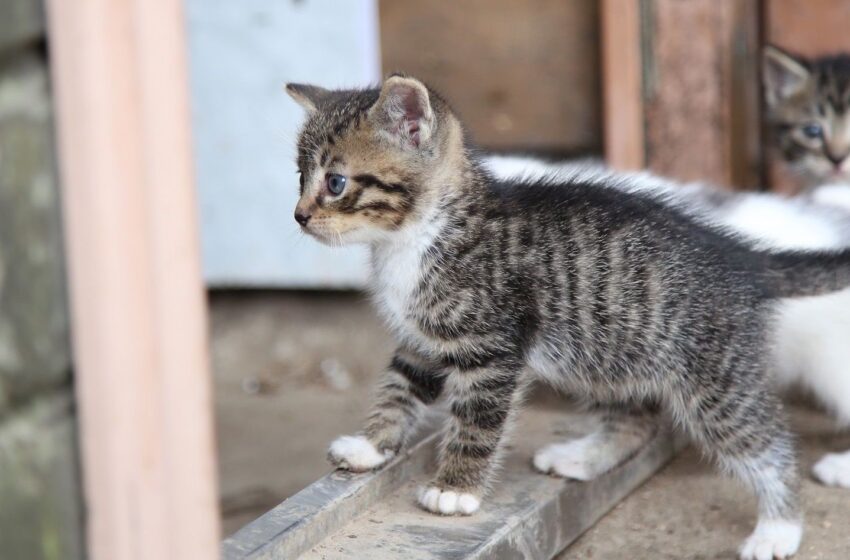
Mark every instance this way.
x=813 y=130
x=335 y=183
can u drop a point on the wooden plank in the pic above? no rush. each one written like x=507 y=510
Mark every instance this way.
x=373 y=515
x=808 y=27
x=523 y=74
x=305 y=519
x=702 y=117
x=137 y=301
x=622 y=84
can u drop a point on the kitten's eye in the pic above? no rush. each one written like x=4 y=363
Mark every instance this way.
x=813 y=130
x=335 y=183
x=300 y=178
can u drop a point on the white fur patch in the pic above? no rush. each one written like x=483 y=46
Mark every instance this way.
x=833 y=469
x=773 y=538
x=448 y=502
x=396 y=271
x=356 y=453
x=781 y=223
x=586 y=458
x=574 y=459
x=833 y=195
x=810 y=348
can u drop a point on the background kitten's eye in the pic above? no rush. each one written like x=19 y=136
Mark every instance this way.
x=300 y=178
x=335 y=183
x=813 y=130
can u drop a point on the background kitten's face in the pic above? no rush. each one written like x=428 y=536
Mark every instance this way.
x=360 y=159
x=809 y=108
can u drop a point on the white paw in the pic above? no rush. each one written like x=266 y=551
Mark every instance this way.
x=448 y=502
x=573 y=459
x=773 y=538
x=356 y=453
x=833 y=469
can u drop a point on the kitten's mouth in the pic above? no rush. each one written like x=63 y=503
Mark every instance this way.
x=332 y=239
x=839 y=173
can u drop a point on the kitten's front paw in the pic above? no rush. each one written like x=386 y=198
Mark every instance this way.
x=833 y=469
x=357 y=454
x=448 y=502
x=774 y=538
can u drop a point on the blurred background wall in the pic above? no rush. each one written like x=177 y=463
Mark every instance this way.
x=40 y=506
x=524 y=76
x=241 y=54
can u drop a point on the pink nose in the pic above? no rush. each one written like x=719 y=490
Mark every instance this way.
x=302 y=217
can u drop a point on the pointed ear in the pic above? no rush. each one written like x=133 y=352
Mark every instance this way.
x=309 y=97
x=403 y=111
x=784 y=76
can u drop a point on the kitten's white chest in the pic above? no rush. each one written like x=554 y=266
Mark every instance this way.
x=396 y=276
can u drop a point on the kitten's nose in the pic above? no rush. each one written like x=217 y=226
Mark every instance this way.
x=836 y=160
x=302 y=217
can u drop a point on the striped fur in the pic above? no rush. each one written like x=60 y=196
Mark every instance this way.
x=598 y=288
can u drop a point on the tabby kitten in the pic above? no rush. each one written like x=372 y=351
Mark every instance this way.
x=808 y=108
x=809 y=341
x=602 y=292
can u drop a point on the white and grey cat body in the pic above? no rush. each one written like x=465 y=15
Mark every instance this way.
x=810 y=347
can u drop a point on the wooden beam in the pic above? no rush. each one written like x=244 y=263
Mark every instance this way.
x=373 y=515
x=137 y=300
x=622 y=84
x=808 y=27
x=701 y=90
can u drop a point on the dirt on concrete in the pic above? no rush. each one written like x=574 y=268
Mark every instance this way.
x=294 y=369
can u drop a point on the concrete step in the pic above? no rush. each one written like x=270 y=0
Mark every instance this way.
x=374 y=515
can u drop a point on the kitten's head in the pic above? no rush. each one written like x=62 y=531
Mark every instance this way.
x=808 y=104
x=368 y=159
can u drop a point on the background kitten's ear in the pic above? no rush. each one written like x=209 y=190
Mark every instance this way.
x=784 y=75
x=309 y=97
x=404 y=111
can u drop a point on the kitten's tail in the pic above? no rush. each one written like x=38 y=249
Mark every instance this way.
x=804 y=273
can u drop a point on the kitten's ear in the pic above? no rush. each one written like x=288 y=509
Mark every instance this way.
x=309 y=97
x=784 y=76
x=404 y=112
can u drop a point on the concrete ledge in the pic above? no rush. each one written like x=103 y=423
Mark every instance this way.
x=371 y=515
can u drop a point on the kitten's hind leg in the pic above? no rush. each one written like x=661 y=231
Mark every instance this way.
x=745 y=431
x=833 y=469
x=623 y=430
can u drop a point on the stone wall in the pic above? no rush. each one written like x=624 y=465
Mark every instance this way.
x=40 y=504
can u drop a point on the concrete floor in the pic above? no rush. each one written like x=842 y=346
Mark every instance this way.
x=688 y=511
x=294 y=370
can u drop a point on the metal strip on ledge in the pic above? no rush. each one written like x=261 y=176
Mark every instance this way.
x=374 y=515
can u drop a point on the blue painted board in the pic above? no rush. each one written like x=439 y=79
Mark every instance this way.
x=241 y=53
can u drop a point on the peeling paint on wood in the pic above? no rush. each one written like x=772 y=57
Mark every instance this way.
x=34 y=353
x=41 y=514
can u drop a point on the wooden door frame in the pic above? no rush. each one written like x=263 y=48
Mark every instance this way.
x=141 y=365
x=681 y=89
